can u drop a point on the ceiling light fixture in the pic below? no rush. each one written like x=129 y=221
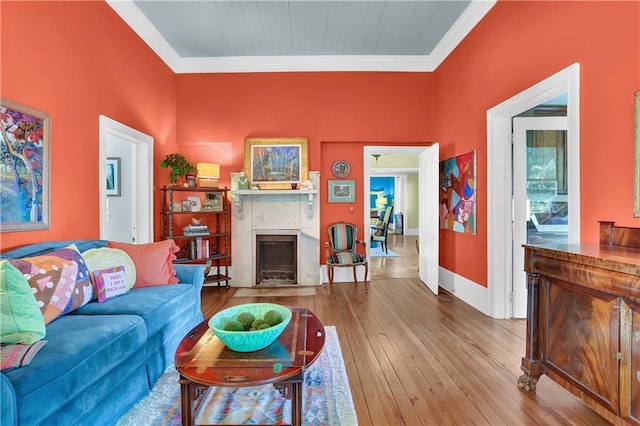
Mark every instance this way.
x=376 y=156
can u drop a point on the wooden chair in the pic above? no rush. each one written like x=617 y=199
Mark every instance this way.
x=342 y=250
x=379 y=230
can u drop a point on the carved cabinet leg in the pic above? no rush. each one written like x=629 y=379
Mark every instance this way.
x=528 y=383
x=531 y=363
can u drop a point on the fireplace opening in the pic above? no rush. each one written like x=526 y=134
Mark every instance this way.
x=276 y=260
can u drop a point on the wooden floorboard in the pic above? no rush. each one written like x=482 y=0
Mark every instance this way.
x=414 y=358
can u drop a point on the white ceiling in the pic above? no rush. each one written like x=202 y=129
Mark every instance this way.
x=299 y=35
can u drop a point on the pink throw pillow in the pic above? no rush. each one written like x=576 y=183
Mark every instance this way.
x=153 y=261
x=110 y=283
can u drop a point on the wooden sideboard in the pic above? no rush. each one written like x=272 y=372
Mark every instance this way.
x=583 y=321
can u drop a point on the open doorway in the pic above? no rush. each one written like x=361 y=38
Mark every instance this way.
x=126 y=213
x=500 y=235
x=423 y=162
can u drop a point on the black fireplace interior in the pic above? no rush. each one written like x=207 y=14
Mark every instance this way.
x=276 y=260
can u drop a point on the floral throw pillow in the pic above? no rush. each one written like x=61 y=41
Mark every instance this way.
x=59 y=280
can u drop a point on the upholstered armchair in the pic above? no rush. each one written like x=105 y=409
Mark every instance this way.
x=380 y=228
x=342 y=250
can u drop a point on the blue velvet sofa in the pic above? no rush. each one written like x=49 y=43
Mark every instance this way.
x=102 y=358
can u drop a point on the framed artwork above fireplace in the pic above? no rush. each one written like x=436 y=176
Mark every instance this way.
x=276 y=163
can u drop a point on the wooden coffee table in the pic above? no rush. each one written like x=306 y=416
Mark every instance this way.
x=203 y=360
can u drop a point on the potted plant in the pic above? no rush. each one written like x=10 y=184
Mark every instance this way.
x=179 y=165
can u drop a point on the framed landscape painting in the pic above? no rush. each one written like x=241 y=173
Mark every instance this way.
x=342 y=191
x=24 y=167
x=276 y=163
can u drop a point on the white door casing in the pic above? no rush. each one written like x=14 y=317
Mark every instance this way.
x=520 y=127
x=140 y=184
x=499 y=181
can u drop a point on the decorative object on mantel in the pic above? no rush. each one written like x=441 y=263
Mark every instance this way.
x=341 y=169
x=276 y=163
x=306 y=185
x=636 y=185
x=243 y=181
x=208 y=175
x=179 y=166
x=25 y=165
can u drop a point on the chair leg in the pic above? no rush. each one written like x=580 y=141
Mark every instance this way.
x=366 y=272
x=355 y=276
x=330 y=273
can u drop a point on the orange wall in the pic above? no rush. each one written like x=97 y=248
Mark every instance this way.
x=216 y=112
x=75 y=61
x=514 y=47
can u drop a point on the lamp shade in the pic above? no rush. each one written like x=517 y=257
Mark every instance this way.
x=208 y=170
x=208 y=174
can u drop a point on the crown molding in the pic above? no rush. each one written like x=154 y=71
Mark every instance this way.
x=134 y=17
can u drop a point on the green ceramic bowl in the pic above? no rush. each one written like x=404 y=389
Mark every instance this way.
x=249 y=341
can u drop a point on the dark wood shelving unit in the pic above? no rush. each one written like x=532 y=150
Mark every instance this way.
x=218 y=238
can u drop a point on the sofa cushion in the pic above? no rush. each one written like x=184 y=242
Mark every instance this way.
x=60 y=281
x=109 y=282
x=154 y=261
x=155 y=305
x=20 y=317
x=104 y=258
x=84 y=354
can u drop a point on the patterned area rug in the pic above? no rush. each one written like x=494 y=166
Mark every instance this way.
x=326 y=398
x=378 y=252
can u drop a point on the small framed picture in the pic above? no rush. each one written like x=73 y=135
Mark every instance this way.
x=176 y=206
x=113 y=177
x=342 y=191
x=213 y=201
x=191 y=181
x=196 y=204
x=186 y=206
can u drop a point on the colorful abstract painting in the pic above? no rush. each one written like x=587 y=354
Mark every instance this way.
x=24 y=167
x=458 y=193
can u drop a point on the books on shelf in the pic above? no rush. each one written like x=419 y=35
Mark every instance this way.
x=191 y=230
x=200 y=248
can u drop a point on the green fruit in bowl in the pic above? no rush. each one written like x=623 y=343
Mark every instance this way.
x=246 y=319
x=256 y=323
x=273 y=317
x=263 y=326
x=233 y=325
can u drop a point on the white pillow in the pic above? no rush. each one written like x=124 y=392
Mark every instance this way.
x=107 y=258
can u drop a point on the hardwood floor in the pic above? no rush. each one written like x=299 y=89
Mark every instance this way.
x=417 y=359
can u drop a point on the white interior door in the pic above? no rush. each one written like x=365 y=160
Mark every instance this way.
x=540 y=193
x=429 y=226
x=127 y=217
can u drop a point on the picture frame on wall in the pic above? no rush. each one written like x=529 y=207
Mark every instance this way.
x=24 y=166
x=113 y=177
x=342 y=191
x=276 y=163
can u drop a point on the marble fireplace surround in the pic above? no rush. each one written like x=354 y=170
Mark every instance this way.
x=275 y=212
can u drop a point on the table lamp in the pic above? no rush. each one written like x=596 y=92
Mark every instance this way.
x=208 y=174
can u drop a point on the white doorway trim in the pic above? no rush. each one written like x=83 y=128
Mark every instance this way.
x=499 y=178
x=142 y=145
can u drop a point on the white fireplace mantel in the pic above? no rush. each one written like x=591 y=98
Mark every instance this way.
x=240 y=194
x=273 y=211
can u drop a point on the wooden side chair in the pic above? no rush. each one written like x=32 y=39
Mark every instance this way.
x=380 y=229
x=342 y=250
